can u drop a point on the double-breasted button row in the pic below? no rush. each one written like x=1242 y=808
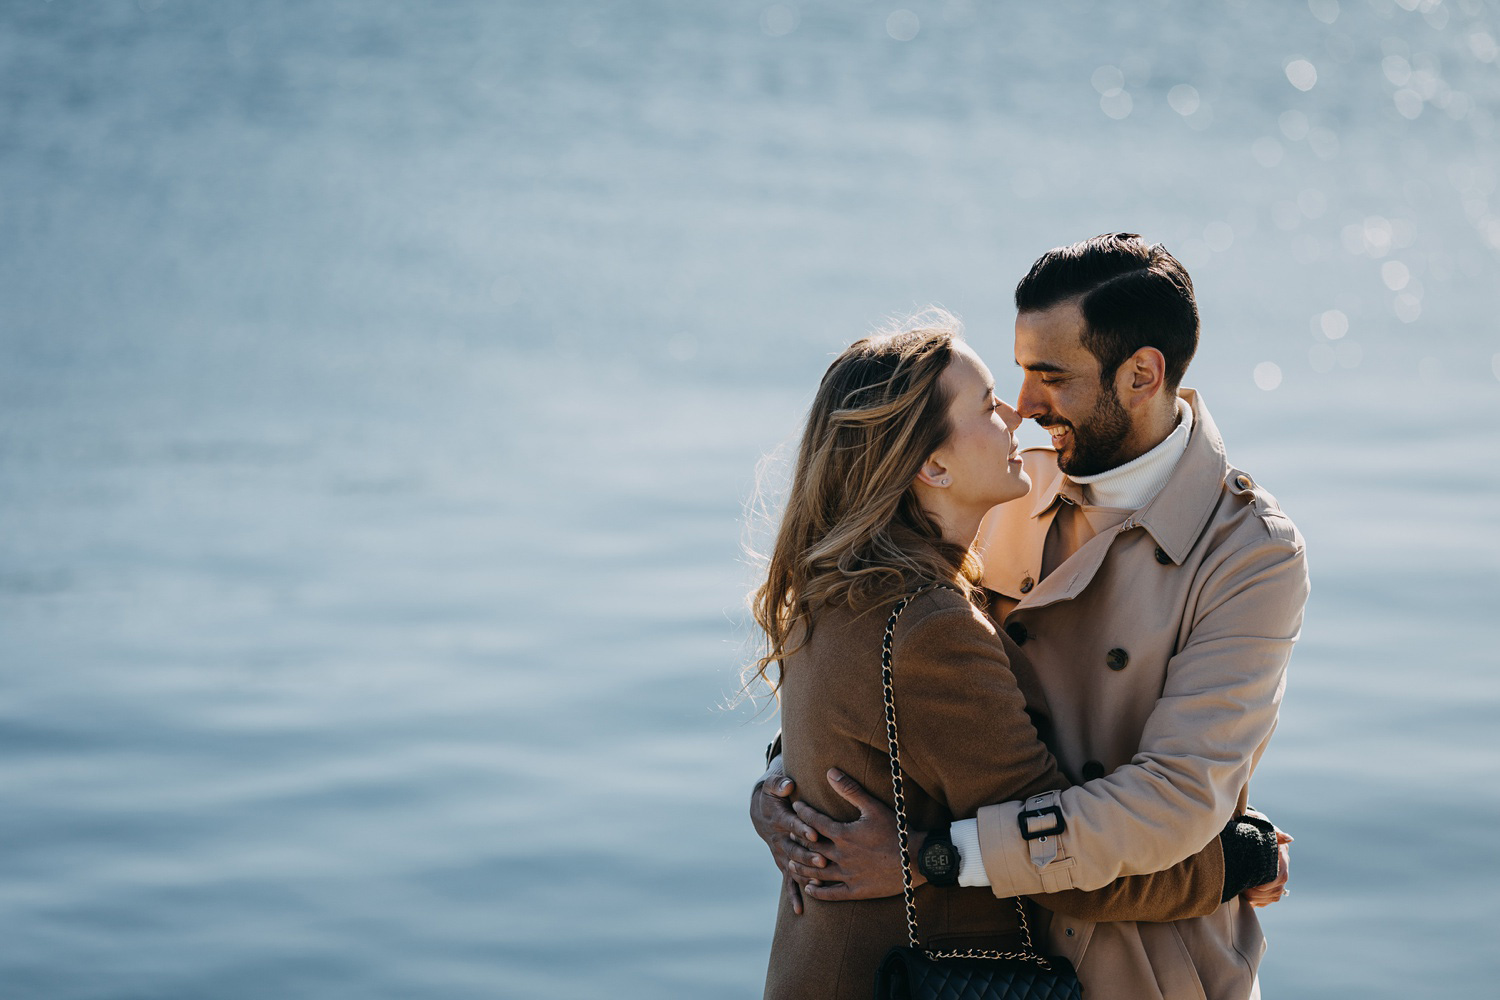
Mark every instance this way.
x=1017 y=633
x=1161 y=556
x=1117 y=658
x=1092 y=769
x=1027 y=584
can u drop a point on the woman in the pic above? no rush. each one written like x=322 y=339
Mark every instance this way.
x=905 y=449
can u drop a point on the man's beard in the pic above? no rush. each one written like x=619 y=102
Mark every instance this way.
x=1096 y=444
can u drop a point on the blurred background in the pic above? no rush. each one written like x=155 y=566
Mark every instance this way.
x=381 y=386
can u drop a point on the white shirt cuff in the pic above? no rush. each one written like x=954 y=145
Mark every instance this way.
x=965 y=834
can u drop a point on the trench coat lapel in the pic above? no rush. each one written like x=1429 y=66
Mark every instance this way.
x=1177 y=515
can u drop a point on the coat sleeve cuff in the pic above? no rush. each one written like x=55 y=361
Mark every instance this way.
x=1018 y=867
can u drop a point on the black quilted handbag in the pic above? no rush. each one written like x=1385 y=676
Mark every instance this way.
x=915 y=973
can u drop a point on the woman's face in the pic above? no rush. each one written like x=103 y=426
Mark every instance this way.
x=980 y=456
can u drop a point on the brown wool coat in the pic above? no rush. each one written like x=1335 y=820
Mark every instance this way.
x=1161 y=645
x=966 y=740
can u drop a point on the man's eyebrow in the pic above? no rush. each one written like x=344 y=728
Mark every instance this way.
x=1043 y=366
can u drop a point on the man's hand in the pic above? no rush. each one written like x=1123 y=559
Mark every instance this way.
x=775 y=823
x=861 y=859
x=1272 y=891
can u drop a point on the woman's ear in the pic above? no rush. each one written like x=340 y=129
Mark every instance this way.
x=933 y=473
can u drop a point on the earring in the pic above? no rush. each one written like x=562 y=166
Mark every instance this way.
x=945 y=482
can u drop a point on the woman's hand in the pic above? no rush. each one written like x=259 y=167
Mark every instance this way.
x=1272 y=891
x=861 y=858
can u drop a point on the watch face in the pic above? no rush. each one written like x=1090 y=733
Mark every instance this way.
x=937 y=859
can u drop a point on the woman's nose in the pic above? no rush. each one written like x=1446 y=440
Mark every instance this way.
x=1010 y=416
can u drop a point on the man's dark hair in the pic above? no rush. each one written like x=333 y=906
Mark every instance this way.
x=1132 y=296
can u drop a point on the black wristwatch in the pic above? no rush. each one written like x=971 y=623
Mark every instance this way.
x=938 y=860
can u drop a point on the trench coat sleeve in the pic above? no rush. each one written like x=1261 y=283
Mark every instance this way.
x=966 y=738
x=1215 y=715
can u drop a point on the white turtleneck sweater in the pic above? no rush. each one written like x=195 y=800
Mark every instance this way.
x=1133 y=485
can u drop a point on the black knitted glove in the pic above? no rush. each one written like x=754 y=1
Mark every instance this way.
x=1250 y=854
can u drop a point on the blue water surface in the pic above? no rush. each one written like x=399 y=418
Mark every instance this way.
x=381 y=386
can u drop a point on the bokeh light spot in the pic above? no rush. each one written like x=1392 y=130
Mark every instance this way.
x=1293 y=125
x=1267 y=375
x=1183 y=99
x=1108 y=80
x=1334 y=324
x=1117 y=106
x=1409 y=103
x=1312 y=203
x=1219 y=236
x=1326 y=11
x=1483 y=45
x=1302 y=74
x=1267 y=151
x=903 y=25
x=1408 y=307
x=1396 y=69
x=779 y=19
x=1395 y=274
x=1324 y=143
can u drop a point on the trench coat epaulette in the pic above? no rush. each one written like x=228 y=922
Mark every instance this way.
x=1267 y=510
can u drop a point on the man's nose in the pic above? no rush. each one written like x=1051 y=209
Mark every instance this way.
x=1029 y=402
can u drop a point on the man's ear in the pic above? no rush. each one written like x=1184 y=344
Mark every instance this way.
x=1142 y=377
x=934 y=473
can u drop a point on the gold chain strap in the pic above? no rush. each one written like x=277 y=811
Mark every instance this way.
x=1030 y=953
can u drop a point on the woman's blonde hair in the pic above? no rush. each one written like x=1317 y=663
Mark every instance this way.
x=852 y=532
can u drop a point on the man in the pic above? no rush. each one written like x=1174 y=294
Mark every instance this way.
x=1157 y=592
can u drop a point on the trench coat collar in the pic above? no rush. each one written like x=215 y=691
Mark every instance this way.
x=1177 y=515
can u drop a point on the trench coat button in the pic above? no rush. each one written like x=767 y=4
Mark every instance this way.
x=1092 y=769
x=1117 y=658
x=1017 y=633
x=1027 y=584
x=1162 y=557
x=1243 y=482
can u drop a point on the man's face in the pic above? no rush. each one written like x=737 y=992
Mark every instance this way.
x=1061 y=390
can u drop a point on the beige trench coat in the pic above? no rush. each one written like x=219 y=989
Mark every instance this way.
x=1161 y=645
